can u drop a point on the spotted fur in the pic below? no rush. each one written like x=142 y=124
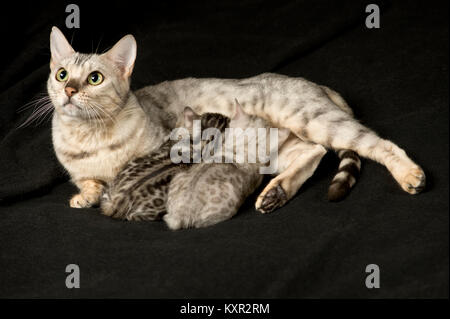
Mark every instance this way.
x=139 y=192
x=208 y=194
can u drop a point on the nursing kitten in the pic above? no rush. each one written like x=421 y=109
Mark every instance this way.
x=207 y=194
x=139 y=192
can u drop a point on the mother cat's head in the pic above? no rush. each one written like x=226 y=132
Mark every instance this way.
x=89 y=86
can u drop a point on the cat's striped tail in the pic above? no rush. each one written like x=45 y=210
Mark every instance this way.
x=346 y=177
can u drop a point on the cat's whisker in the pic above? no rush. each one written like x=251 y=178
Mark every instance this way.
x=107 y=49
x=100 y=109
x=98 y=45
x=44 y=116
x=38 y=113
x=99 y=125
x=34 y=103
x=98 y=119
x=90 y=116
x=95 y=118
x=99 y=122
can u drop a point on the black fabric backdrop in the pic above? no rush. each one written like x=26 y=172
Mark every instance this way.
x=395 y=78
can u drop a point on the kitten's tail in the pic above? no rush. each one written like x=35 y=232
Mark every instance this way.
x=346 y=177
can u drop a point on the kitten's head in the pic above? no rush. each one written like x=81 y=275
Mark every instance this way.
x=87 y=86
x=207 y=120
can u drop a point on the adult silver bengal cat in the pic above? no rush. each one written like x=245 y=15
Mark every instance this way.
x=99 y=124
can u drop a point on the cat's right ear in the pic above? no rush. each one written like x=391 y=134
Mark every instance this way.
x=60 y=48
x=123 y=54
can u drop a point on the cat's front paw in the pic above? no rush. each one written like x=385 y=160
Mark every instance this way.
x=271 y=199
x=414 y=181
x=80 y=201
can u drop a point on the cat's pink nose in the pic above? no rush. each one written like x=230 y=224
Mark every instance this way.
x=70 y=91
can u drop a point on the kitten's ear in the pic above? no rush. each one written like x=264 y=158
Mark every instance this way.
x=123 y=54
x=189 y=117
x=59 y=46
x=239 y=112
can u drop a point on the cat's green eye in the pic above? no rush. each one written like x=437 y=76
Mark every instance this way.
x=62 y=75
x=95 y=78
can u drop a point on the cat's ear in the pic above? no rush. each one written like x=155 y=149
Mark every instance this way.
x=123 y=54
x=60 y=48
x=239 y=112
x=189 y=117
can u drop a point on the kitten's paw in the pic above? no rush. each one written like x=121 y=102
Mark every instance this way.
x=414 y=181
x=173 y=222
x=79 y=201
x=271 y=199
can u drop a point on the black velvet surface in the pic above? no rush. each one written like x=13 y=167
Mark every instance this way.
x=395 y=78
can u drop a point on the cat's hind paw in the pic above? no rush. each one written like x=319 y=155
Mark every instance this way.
x=271 y=199
x=414 y=181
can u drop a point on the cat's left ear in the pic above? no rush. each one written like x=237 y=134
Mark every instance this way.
x=123 y=54
x=59 y=47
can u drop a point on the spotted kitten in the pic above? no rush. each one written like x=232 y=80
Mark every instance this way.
x=210 y=193
x=139 y=192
